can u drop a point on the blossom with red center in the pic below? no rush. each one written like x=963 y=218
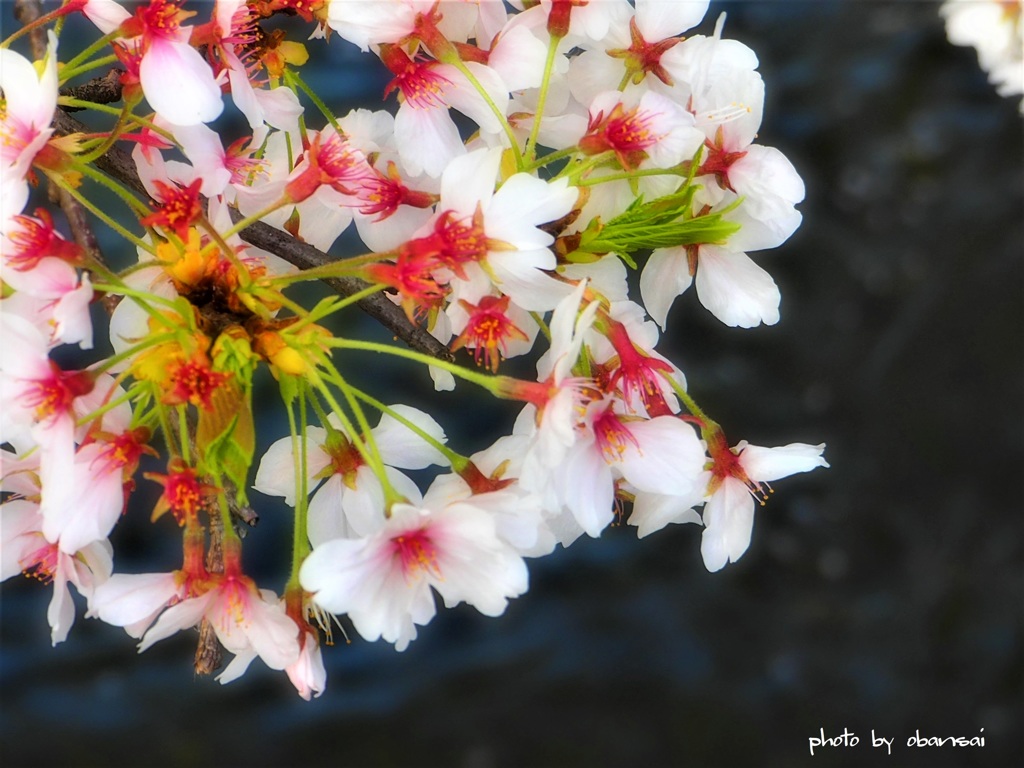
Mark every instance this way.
x=636 y=373
x=341 y=165
x=51 y=396
x=383 y=581
x=461 y=240
x=41 y=564
x=416 y=552
x=332 y=160
x=383 y=193
x=179 y=208
x=239 y=160
x=184 y=495
x=412 y=275
x=488 y=330
x=419 y=82
x=612 y=435
x=101 y=479
x=737 y=478
x=661 y=455
x=643 y=58
x=121 y=452
x=651 y=128
x=719 y=160
x=193 y=381
x=26 y=111
x=177 y=81
x=25 y=549
x=426 y=137
x=627 y=134
x=350 y=502
x=248 y=622
x=33 y=239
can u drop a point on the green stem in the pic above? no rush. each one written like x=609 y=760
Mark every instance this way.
x=44 y=19
x=341 y=268
x=115 y=134
x=101 y=178
x=292 y=77
x=141 y=297
x=67 y=72
x=149 y=341
x=103 y=409
x=249 y=220
x=300 y=533
x=139 y=243
x=229 y=533
x=487 y=382
x=67 y=101
x=369 y=451
x=531 y=143
x=688 y=401
x=183 y=432
x=165 y=427
x=362 y=442
x=347 y=301
x=457 y=460
x=468 y=74
x=84 y=55
x=549 y=158
x=578 y=169
x=627 y=175
x=539 y=319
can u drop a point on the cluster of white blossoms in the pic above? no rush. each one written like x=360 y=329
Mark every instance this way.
x=995 y=28
x=594 y=138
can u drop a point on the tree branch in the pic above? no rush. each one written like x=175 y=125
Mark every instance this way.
x=99 y=90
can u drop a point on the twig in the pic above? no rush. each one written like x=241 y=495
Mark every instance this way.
x=99 y=90
x=305 y=256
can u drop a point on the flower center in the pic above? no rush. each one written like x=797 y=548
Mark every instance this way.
x=42 y=563
x=420 y=85
x=417 y=553
x=613 y=437
x=488 y=330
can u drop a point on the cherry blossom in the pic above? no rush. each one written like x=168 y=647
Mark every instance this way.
x=30 y=97
x=738 y=477
x=350 y=502
x=383 y=582
x=177 y=81
x=24 y=548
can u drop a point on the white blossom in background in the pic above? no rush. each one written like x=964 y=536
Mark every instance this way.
x=995 y=28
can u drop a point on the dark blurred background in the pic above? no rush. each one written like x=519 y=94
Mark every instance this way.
x=883 y=593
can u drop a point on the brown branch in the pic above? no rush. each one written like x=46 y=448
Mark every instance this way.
x=27 y=11
x=119 y=164
x=99 y=90
x=305 y=256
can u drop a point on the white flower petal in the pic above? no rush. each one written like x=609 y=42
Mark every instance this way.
x=728 y=523
x=401 y=447
x=179 y=84
x=666 y=275
x=768 y=464
x=735 y=289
